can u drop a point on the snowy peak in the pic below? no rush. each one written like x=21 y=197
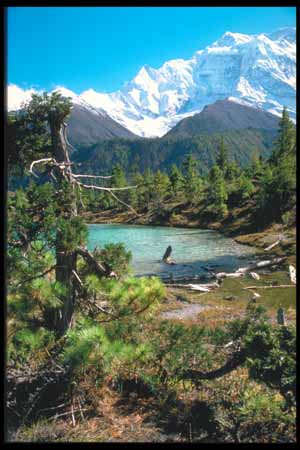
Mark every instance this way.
x=230 y=39
x=257 y=70
x=78 y=100
x=283 y=34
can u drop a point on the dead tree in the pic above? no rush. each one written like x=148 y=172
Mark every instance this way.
x=167 y=256
x=60 y=169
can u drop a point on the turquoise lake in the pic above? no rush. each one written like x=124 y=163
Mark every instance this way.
x=194 y=251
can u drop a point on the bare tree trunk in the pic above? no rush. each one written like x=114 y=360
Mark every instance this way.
x=65 y=260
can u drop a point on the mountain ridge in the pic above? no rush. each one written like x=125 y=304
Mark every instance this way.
x=224 y=115
x=245 y=130
x=259 y=69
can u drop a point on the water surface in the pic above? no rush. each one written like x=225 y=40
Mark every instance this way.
x=194 y=250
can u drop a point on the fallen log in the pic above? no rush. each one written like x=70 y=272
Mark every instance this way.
x=261 y=264
x=270 y=287
x=255 y=275
x=221 y=275
x=196 y=287
x=272 y=245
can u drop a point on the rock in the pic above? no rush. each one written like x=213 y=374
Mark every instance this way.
x=230 y=297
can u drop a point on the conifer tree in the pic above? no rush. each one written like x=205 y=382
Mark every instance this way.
x=222 y=159
x=118 y=180
x=177 y=181
x=48 y=215
x=192 y=180
x=217 y=191
x=148 y=186
x=278 y=180
x=161 y=186
x=285 y=143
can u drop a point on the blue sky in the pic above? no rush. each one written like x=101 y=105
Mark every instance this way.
x=103 y=47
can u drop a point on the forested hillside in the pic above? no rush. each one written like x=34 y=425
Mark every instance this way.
x=161 y=153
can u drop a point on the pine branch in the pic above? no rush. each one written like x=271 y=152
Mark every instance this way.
x=41 y=275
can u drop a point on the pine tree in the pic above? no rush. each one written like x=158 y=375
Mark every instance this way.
x=118 y=180
x=148 y=186
x=217 y=191
x=278 y=181
x=245 y=187
x=118 y=177
x=222 y=159
x=192 y=181
x=161 y=187
x=285 y=143
x=177 y=181
x=45 y=216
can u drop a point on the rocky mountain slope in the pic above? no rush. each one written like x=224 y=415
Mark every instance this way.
x=225 y=115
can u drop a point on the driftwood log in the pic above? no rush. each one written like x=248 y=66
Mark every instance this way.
x=292 y=272
x=167 y=256
x=262 y=264
x=196 y=287
x=221 y=275
x=270 y=287
x=273 y=245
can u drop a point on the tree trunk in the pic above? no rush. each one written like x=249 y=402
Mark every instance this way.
x=66 y=263
x=65 y=260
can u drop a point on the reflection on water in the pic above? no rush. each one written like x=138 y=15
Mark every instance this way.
x=194 y=251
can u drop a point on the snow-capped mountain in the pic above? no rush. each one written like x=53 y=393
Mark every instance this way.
x=256 y=70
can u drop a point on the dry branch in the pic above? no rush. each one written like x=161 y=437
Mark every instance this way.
x=91 y=176
x=236 y=360
x=95 y=265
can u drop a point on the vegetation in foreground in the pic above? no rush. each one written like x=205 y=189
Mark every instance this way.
x=89 y=356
